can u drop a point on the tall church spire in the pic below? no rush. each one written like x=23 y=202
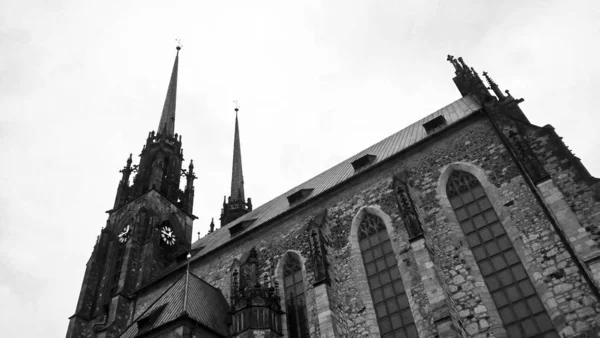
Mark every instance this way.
x=237 y=176
x=236 y=205
x=166 y=126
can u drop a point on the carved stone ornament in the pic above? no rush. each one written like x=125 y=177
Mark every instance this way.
x=317 y=242
x=407 y=206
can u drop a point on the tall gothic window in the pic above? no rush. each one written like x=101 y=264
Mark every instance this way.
x=387 y=290
x=293 y=284
x=118 y=264
x=519 y=305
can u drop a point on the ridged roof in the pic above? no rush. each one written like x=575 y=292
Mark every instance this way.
x=383 y=150
x=190 y=296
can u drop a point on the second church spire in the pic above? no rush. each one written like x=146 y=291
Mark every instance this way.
x=236 y=205
x=237 y=176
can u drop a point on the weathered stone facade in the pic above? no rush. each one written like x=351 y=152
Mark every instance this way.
x=471 y=147
x=540 y=196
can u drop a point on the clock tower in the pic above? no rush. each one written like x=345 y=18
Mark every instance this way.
x=148 y=228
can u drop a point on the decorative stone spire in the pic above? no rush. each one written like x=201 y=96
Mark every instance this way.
x=468 y=81
x=455 y=63
x=237 y=176
x=236 y=205
x=166 y=126
x=494 y=86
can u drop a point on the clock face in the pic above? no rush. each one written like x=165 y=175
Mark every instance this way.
x=167 y=235
x=124 y=235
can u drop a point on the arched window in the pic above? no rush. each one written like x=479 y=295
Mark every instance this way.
x=387 y=290
x=515 y=297
x=295 y=304
x=117 y=265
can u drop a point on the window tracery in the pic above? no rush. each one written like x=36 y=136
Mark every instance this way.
x=514 y=295
x=295 y=304
x=392 y=310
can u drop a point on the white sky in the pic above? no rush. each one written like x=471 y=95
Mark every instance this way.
x=82 y=84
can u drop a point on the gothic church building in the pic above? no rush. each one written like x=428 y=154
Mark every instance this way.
x=471 y=222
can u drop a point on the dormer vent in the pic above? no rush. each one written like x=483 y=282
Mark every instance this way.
x=240 y=227
x=299 y=195
x=363 y=162
x=434 y=125
x=146 y=323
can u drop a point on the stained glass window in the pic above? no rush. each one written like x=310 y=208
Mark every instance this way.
x=513 y=293
x=387 y=289
x=293 y=284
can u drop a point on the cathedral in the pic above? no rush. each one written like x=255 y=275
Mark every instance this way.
x=471 y=222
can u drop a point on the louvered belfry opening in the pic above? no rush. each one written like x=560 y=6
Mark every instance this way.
x=387 y=289
x=517 y=302
x=293 y=284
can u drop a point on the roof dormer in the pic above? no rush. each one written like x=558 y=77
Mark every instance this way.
x=299 y=195
x=363 y=162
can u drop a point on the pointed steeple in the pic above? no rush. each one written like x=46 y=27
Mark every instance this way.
x=236 y=205
x=166 y=126
x=237 y=176
x=212 y=226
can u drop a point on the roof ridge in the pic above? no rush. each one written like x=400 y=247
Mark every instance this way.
x=185 y=289
x=336 y=175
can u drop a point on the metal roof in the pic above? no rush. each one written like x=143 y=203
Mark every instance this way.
x=190 y=296
x=383 y=150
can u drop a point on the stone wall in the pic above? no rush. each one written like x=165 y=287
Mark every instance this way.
x=471 y=146
x=574 y=195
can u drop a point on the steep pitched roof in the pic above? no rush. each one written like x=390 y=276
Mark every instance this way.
x=382 y=150
x=189 y=296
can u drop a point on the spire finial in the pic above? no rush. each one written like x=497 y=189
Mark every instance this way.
x=236 y=107
x=462 y=62
x=494 y=86
x=166 y=126
x=453 y=61
x=179 y=45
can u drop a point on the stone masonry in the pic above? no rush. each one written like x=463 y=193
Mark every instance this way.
x=471 y=147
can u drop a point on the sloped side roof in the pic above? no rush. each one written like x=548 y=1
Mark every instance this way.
x=207 y=305
x=187 y=296
x=384 y=149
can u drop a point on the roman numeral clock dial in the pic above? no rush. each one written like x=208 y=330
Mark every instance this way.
x=167 y=235
x=124 y=235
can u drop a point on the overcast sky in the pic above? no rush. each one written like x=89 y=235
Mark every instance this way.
x=82 y=84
